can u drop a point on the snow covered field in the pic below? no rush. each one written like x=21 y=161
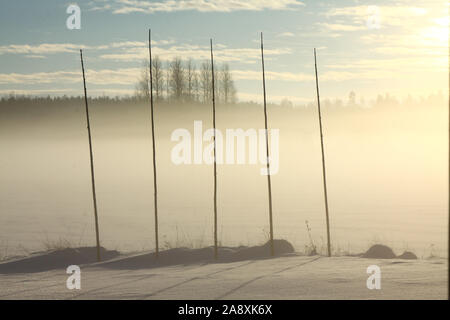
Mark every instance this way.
x=289 y=277
x=388 y=184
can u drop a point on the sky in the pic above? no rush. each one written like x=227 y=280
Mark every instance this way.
x=369 y=47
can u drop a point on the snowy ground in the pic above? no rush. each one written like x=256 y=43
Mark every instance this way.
x=289 y=277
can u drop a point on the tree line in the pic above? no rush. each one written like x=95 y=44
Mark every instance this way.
x=182 y=81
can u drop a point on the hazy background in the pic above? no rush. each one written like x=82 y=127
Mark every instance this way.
x=387 y=169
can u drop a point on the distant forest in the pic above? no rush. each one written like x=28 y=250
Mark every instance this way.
x=9 y=102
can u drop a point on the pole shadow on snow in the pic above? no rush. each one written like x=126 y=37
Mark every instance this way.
x=185 y=256
x=56 y=259
x=61 y=259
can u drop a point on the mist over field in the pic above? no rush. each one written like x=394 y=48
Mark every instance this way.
x=387 y=171
x=114 y=183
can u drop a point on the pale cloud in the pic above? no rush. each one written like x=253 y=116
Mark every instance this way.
x=35 y=56
x=355 y=75
x=131 y=6
x=341 y=27
x=123 y=76
x=184 y=51
x=35 y=91
x=130 y=44
x=362 y=71
x=402 y=17
x=426 y=42
x=126 y=44
x=328 y=76
x=67 y=91
x=286 y=35
x=38 y=77
x=384 y=68
x=391 y=15
x=44 y=48
x=442 y=21
x=409 y=51
x=414 y=34
x=126 y=51
x=101 y=7
x=271 y=75
x=40 y=50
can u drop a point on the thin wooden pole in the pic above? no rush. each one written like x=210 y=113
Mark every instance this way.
x=323 y=159
x=94 y=196
x=215 y=164
x=269 y=184
x=153 y=145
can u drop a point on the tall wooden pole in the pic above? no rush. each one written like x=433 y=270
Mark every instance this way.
x=94 y=196
x=215 y=164
x=155 y=189
x=269 y=184
x=323 y=159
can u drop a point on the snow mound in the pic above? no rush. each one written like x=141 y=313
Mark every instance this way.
x=185 y=256
x=56 y=259
x=407 y=255
x=379 y=251
x=281 y=247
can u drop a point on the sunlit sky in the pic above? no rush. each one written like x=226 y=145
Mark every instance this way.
x=370 y=47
